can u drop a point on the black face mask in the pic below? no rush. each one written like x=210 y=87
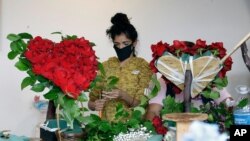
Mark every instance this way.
x=124 y=53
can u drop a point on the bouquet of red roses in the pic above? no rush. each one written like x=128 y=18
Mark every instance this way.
x=66 y=69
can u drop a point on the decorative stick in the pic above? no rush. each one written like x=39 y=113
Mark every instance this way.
x=187 y=91
x=236 y=47
x=245 y=56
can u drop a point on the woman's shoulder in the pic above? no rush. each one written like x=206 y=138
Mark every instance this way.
x=112 y=61
x=140 y=60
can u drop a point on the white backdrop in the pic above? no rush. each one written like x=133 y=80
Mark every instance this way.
x=212 y=20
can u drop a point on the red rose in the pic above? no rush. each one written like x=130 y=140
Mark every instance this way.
x=159 y=49
x=219 y=47
x=178 y=47
x=161 y=130
x=152 y=66
x=201 y=43
x=157 y=121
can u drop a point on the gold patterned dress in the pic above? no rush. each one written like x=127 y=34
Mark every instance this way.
x=134 y=76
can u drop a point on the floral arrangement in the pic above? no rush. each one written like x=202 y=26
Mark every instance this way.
x=67 y=69
x=184 y=49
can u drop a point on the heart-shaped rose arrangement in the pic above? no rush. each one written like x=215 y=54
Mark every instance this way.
x=70 y=64
x=203 y=60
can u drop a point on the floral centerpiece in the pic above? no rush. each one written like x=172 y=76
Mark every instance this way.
x=67 y=69
x=183 y=51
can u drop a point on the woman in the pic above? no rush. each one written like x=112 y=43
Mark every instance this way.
x=133 y=72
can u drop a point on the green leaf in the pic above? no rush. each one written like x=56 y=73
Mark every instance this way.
x=22 y=44
x=25 y=61
x=70 y=37
x=134 y=123
x=149 y=126
x=41 y=79
x=52 y=94
x=156 y=87
x=87 y=120
x=210 y=118
x=31 y=74
x=13 y=37
x=194 y=110
x=140 y=109
x=92 y=44
x=144 y=101
x=21 y=66
x=12 y=55
x=101 y=68
x=60 y=99
x=218 y=81
x=15 y=47
x=95 y=117
x=206 y=93
x=104 y=126
x=242 y=103
x=137 y=114
x=25 y=36
x=82 y=97
x=39 y=87
x=58 y=32
x=214 y=95
x=112 y=81
x=26 y=82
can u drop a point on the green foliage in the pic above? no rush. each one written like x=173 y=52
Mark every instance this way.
x=211 y=94
x=171 y=106
x=101 y=130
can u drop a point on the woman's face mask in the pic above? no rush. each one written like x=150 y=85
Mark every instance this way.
x=124 y=52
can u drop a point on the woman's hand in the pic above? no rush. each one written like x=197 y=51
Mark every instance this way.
x=99 y=104
x=114 y=94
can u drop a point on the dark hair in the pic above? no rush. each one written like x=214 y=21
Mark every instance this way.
x=121 y=25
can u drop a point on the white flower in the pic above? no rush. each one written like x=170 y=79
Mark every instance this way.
x=140 y=134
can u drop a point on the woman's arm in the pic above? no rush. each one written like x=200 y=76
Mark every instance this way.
x=153 y=110
x=156 y=104
x=120 y=94
x=96 y=105
x=224 y=95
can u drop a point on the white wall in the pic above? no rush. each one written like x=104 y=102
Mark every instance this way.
x=212 y=20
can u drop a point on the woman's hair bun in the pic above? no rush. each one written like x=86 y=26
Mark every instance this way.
x=120 y=18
